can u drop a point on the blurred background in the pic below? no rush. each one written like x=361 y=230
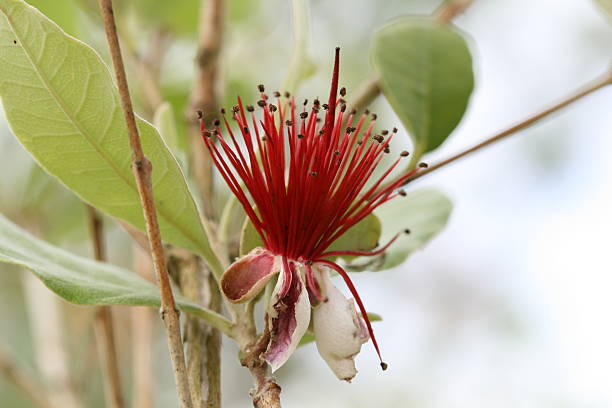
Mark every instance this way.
x=508 y=307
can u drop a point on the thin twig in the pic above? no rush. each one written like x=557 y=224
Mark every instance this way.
x=587 y=89
x=366 y=94
x=450 y=9
x=24 y=382
x=205 y=97
x=197 y=282
x=105 y=336
x=142 y=168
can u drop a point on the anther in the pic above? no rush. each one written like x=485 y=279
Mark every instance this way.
x=223 y=111
x=245 y=129
x=318 y=120
x=287 y=94
x=404 y=153
x=314 y=174
x=366 y=112
x=216 y=122
x=272 y=108
x=407 y=231
x=423 y=165
x=353 y=111
x=261 y=103
x=387 y=150
x=250 y=108
x=325 y=106
x=235 y=109
x=394 y=130
x=288 y=123
x=343 y=107
x=336 y=153
x=316 y=102
x=343 y=91
x=206 y=133
x=384 y=365
x=263 y=139
x=261 y=88
x=200 y=114
x=277 y=94
x=341 y=101
x=300 y=136
x=402 y=193
x=384 y=132
x=304 y=115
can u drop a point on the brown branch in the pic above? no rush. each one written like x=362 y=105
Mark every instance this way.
x=366 y=94
x=21 y=380
x=266 y=393
x=142 y=168
x=205 y=97
x=450 y=9
x=589 y=88
x=105 y=336
x=197 y=282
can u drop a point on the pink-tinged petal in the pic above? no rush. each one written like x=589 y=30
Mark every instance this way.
x=288 y=316
x=339 y=330
x=246 y=277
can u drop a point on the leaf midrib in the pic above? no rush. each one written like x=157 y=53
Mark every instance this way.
x=76 y=123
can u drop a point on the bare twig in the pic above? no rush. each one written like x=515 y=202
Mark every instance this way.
x=451 y=9
x=589 y=88
x=266 y=392
x=142 y=168
x=366 y=94
x=205 y=97
x=21 y=380
x=105 y=336
x=197 y=282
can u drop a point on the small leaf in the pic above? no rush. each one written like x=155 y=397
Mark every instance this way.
x=424 y=212
x=62 y=105
x=309 y=336
x=84 y=281
x=425 y=72
x=362 y=236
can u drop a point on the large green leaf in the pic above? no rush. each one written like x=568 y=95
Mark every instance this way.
x=423 y=212
x=362 y=236
x=425 y=72
x=61 y=104
x=84 y=281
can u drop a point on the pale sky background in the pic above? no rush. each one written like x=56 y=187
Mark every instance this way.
x=510 y=305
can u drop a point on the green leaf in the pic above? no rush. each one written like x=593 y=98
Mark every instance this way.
x=424 y=212
x=84 y=281
x=362 y=236
x=309 y=336
x=62 y=105
x=425 y=72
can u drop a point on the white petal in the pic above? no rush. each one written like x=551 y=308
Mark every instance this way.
x=339 y=330
x=288 y=319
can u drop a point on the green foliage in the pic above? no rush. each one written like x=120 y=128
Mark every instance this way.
x=424 y=212
x=362 y=236
x=84 y=281
x=425 y=72
x=61 y=104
